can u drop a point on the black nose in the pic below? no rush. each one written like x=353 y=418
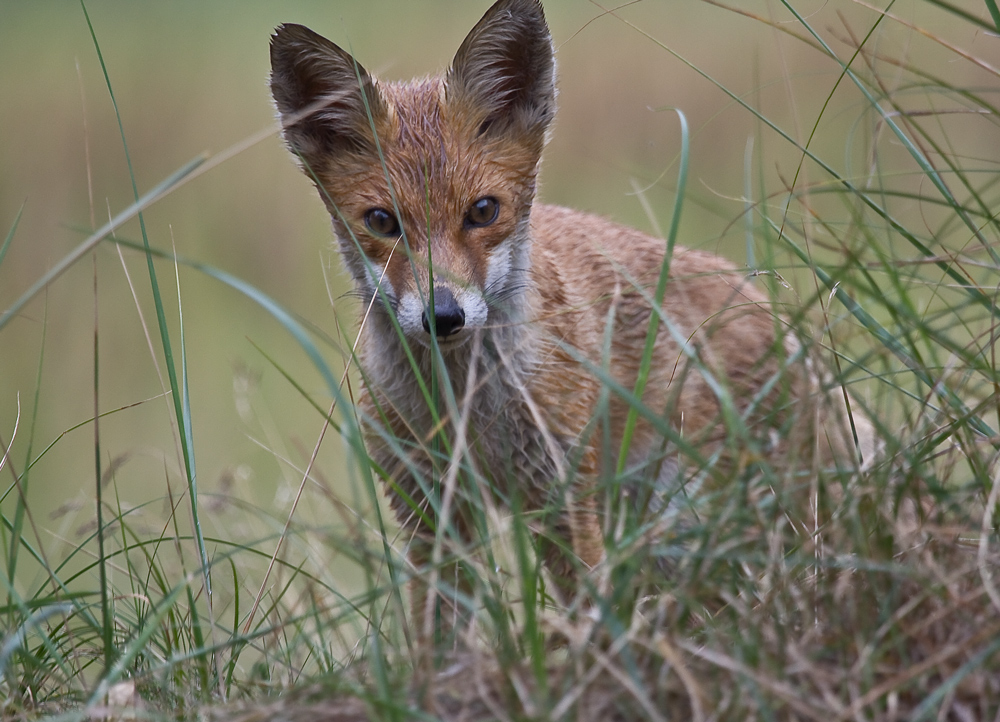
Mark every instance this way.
x=449 y=318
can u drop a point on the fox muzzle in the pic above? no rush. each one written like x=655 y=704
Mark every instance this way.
x=449 y=317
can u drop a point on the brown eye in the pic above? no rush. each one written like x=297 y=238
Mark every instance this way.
x=381 y=222
x=483 y=212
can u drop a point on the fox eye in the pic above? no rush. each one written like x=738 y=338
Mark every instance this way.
x=482 y=212
x=381 y=222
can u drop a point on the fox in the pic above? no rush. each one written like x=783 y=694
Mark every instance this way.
x=536 y=319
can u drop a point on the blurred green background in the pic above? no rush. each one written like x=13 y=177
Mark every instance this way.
x=192 y=77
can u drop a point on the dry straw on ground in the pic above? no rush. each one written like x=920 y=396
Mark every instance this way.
x=789 y=641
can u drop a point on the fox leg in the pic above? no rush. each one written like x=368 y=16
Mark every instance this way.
x=572 y=543
x=436 y=591
x=584 y=523
x=579 y=540
x=585 y=529
x=423 y=588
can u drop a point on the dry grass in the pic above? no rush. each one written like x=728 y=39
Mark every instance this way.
x=901 y=622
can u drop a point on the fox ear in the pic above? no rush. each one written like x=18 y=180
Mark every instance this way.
x=506 y=66
x=321 y=93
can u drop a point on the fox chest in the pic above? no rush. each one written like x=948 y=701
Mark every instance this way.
x=492 y=434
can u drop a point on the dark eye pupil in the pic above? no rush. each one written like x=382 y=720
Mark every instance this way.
x=381 y=222
x=483 y=212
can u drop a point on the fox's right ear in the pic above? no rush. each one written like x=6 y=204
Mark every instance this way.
x=321 y=92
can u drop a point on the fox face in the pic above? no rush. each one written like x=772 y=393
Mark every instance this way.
x=429 y=183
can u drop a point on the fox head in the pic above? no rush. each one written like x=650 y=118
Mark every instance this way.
x=429 y=182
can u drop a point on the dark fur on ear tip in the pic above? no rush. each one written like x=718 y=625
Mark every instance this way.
x=506 y=64
x=292 y=37
x=321 y=93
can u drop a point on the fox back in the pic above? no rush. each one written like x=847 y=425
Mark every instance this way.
x=530 y=312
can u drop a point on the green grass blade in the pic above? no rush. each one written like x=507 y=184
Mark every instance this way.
x=22 y=485
x=107 y=621
x=10 y=233
x=196 y=625
x=891 y=342
x=929 y=708
x=16 y=638
x=974 y=292
x=182 y=414
x=297 y=386
x=62 y=434
x=994 y=13
x=903 y=138
x=283 y=317
x=661 y=289
x=968 y=16
x=103 y=232
x=748 y=204
x=150 y=625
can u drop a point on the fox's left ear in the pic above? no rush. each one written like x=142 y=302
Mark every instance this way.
x=506 y=66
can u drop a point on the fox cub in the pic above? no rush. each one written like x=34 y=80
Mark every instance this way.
x=531 y=319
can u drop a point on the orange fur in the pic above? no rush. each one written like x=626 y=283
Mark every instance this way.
x=523 y=302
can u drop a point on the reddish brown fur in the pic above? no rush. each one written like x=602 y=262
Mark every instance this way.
x=521 y=359
x=430 y=149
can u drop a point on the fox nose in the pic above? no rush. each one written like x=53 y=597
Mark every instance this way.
x=449 y=318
